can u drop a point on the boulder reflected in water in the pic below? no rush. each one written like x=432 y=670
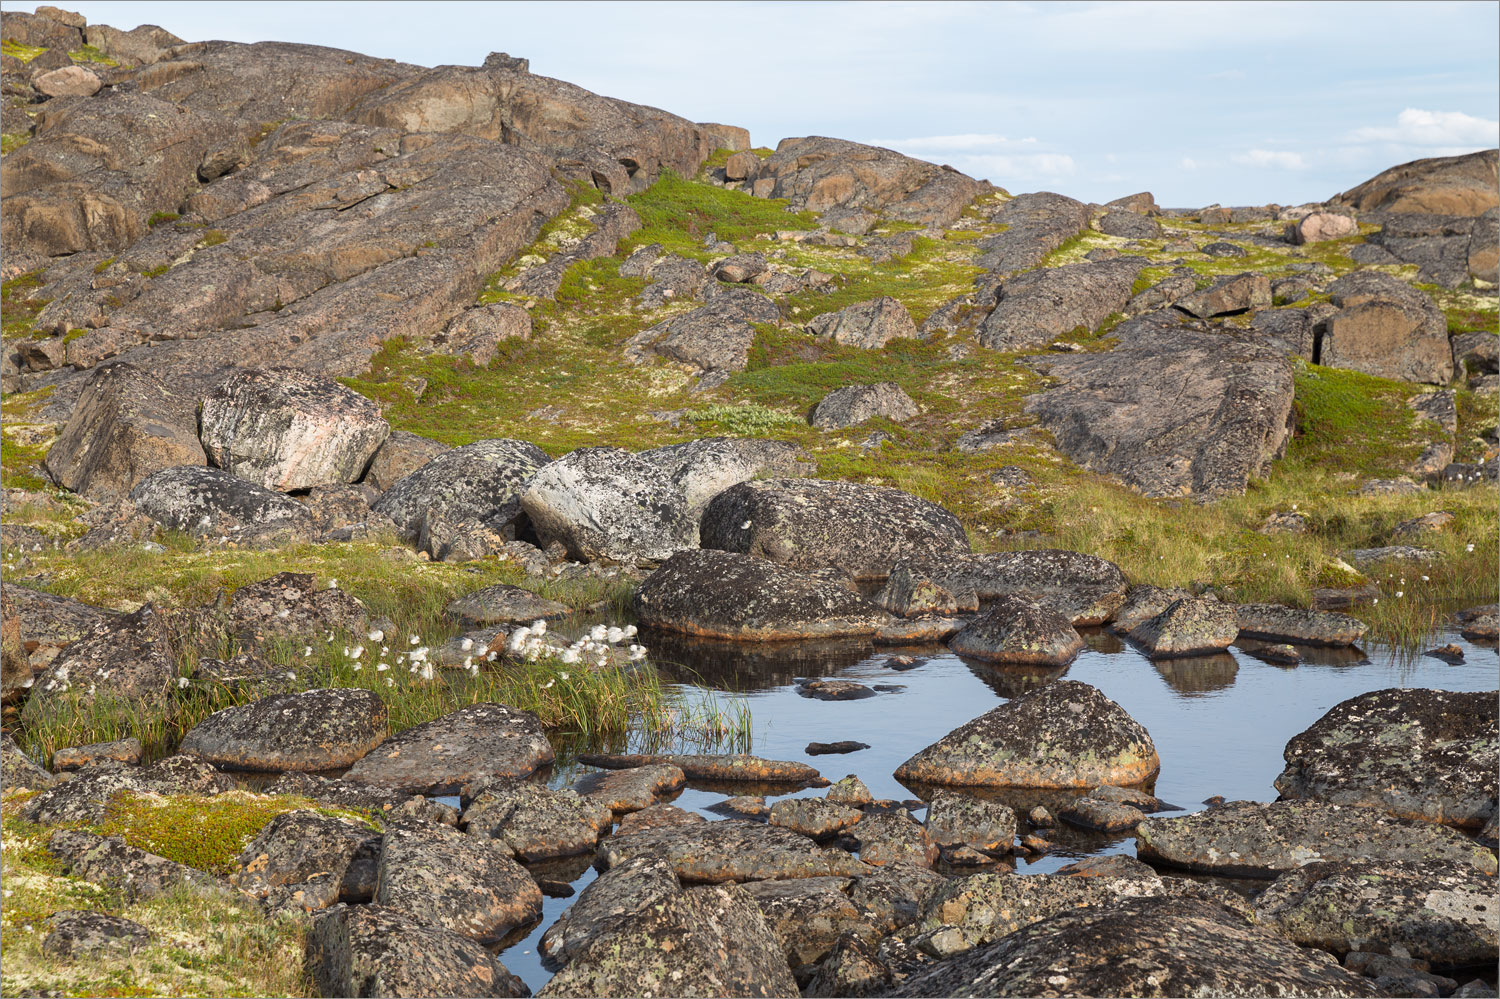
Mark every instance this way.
x=747 y=667
x=1012 y=681
x=1193 y=676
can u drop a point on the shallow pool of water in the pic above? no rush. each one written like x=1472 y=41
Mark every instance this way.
x=1219 y=723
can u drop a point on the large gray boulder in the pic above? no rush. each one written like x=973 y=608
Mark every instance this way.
x=126 y=425
x=704 y=468
x=1016 y=631
x=480 y=482
x=1386 y=327
x=287 y=430
x=124 y=662
x=1276 y=623
x=1065 y=734
x=437 y=876
x=535 y=822
x=729 y=595
x=713 y=339
x=1425 y=754
x=440 y=756
x=1084 y=588
x=1050 y=303
x=1129 y=225
x=814 y=523
x=1228 y=296
x=606 y=503
x=1036 y=224
x=1175 y=409
x=304 y=858
x=819 y=174
x=311 y=730
x=398 y=456
x=870 y=325
x=854 y=404
x=1248 y=839
x=1140 y=947
x=213 y=503
x=1190 y=626
x=733 y=851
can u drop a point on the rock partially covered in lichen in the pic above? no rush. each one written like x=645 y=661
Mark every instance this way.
x=437 y=876
x=472 y=743
x=311 y=730
x=1016 y=631
x=733 y=851
x=536 y=822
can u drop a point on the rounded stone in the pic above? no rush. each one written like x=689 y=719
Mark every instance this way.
x=312 y=730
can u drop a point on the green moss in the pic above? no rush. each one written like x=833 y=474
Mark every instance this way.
x=11 y=141
x=15 y=49
x=212 y=238
x=157 y=271
x=19 y=305
x=1357 y=423
x=157 y=218
x=679 y=214
x=746 y=420
x=103 y=265
x=90 y=53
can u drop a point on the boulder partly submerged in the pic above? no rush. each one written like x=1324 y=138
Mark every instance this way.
x=1065 y=734
x=715 y=852
x=440 y=756
x=720 y=767
x=1187 y=627
x=1084 y=588
x=720 y=594
x=1016 y=631
x=1253 y=840
x=1417 y=753
x=1275 y=623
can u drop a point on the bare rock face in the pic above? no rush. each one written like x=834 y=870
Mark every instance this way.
x=472 y=743
x=813 y=523
x=1065 y=734
x=1424 y=754
x=482 y=481
x=373 y=950
x=854 y=404
x=735 y=596
x=1016 y=631
x=1175 y=409
x=286 y=430
x=215 y=503
x=1140 y=947
x=69 y=81
x=1386 y=327
x=870 y=325
x=1441 y=185
x=606 y=503
x=1444 y=914
x=1254 y=840
x=126 y=426
x=1227 y=296
x=312 y=730
x=818 y=174
x=1044 y=305
x=636 y=931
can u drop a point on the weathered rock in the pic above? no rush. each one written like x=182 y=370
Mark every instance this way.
x=733 y=851
x=1065 y=734
x=436 y=876
x=1103 y=816
x=818 y=174
x=1188 y=627
x=1166 y=291
x=126 y=426
x=134 y=873
x=1140 y=947
x=398 y=456
x=19 y=771
x=84 y=797
x=312 y=730
x=742 y=166
x=834 y=748
x=955 y=820
x=1228 y=296
x=1129 y=225
x=477 y=333
x=815 y=817
x=1142 y=603
x=1364 y=558
x=1426 y=754
x=305 y=846
x=1387 y=328
x=374 y=951
x=1441 y=913
x=723 y=767
x=1016 y=631
x=69 y=81
x=503 y=604
x=1444 y=185
x=813 y=523
x=290 y=604
x=1084 y=588
x=808 y=915
x=606 y=503
x=1275 y=623
x=340 y=793
x=850 y=790
x=656 y=817
x=1043 y=305
x=894 y=838
x=1175 y=409
x=853 y=967
x=1478 y=351
x=630 y=790
x=704 y=468
x=81 y=933
x=1249 y=839
x=215 y=503
x=535 y=822
x=636 y=931
x=870 y=325
x=286 y=430
x=482 y=481
x=1319 y=227
x=438 y=757
x=127 y=660
x=740 y=268
x=722 y=594
x=1036 y=225
x=909 y=592
x=715 y=340
x=855 y=404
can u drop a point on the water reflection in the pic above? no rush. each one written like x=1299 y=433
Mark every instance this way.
x=1013 y=681
x=1194 y=676
x=746 y=667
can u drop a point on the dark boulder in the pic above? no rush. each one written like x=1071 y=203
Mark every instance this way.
x=1065 y=734
x=817 y=818
x=437 y=876
x=704 y=468
x=19 y=771
x=290 y=605
x=1188 y=627
x=721 y=767
x=855 y=404
x=77 y=933
x=714 y=340
x=304 y=857
x=728 y=595
x=894 y=838
x=1228 y=296
x=814 y=523
x=128 y=660
x=1142 y=603
x=440 y=756
x=535 y=822
x=482 y=481
x=210 y=502
x=312 y=730
x=870 y=325
x=959 y=820
x=1275 y=623
x=1035 y=225
x=632 y=789
x=1129 y=225
x=127 y=870
x=1085 y=589
x=1016 y=631
x=808 y=915
x=1426 y=754
x=733 y=851
x=1042 y=306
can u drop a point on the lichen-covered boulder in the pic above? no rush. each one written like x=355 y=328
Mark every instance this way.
x=814 y=523
x=81 y=933
x=84 y=797
x=285 y=429
x=303 y=846
x=311 y=730
x=1254 y=840
x=19 y=771
x=1142 y=603
x=959 y=820
x=632 y=789
x=854 y=404
x=733 y=851
x=1444 y=914
x=1417 y=753
x=1084 y=588
x=437 y=876
x=714 y=766
x=534 y=821
x=482 y=481
x=1038 y=307
x=128 y=870
x=1139 y=947
x=822 y=174
x=636 y=931
x=818 y=818
x=1188 y=627
x=870 y=324
x=808 y=915
x=1275 y=623
x=1065 y=734
x=606 y=503
x=894 y=838
x=721 y=594
x=1227 y=296
x=398 y=456
x=503 y=604
x=369 y=950
x=127 y=660
x=288 y=605
x=704 y=468
x=210 y=501
x=465 y=746
x=1015 y=631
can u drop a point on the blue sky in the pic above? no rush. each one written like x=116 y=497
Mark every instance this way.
x=1239 y=103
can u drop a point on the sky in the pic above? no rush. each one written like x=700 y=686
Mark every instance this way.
x=1235 y=103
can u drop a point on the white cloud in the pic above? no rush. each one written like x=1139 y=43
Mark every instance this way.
x=1433 y=129
x=987 y=156
x=952 y=143
x=1001 y=168
x=1270 y=158
x=1188 y=163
